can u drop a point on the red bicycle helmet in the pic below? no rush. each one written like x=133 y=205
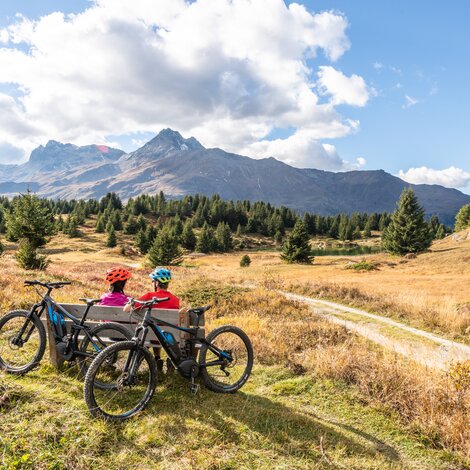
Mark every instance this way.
x=117 y=274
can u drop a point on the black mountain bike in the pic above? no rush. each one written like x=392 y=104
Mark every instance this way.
x=23 y=336
x=129 y=371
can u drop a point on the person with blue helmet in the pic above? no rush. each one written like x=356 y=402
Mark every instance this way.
x=161 y=278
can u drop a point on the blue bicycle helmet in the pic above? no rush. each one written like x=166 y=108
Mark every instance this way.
x=160 y=274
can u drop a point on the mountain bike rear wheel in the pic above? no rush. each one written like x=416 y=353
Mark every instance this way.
x=129 y=373
x=100 y=336
x=231 y=367
x=19 y=353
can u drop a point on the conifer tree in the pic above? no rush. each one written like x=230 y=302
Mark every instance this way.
x=188 y=238
x=141 y=241
x=278 y=238
x=356 y=234
x=111 y=241
x=31 y=222
x=407 y=231
x=205 y=241
x=165 y=250
x=100 y=225
x=367 y=229
x=223 y=236
x=245 y=261
x=71 y=226
x=296 y=248
x=131 y=226
x=441 y=232
x=462 y=219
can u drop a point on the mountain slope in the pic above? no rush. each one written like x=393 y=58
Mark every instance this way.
x=179 y=166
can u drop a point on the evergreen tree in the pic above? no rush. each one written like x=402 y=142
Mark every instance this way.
x=131 y=227
x=111 y=241
x=441 y=232
x=223 y=236
x=407 y=231
x=165 y=250
x=462 y=219
x=116 y=220
x=205 y=241
x=59 y=224
x=239 y=230
x=141 y=241
x=296 y=248
x=356 y=235
x=367 y=229
x=71 y=227
x=245 y=261
x=100 y=225
x=141 y=222
x=278 y=238
x=31 y=222
x=188 y=238
x=344 y=230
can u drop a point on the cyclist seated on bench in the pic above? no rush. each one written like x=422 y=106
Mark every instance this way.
x=116 y=278
x=161 y=277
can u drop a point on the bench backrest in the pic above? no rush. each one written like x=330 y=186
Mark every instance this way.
x=100 y=313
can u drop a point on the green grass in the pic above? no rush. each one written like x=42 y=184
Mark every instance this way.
x=276 y=421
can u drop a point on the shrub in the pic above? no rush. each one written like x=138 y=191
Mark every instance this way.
x=245 y=261
x=363 y=266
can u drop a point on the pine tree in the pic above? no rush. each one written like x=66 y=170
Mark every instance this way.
x=296 y=248
x=278 y=238
x=245 y=261
x=407 y=231
x=367 y=229
x=357 y=235
x=116 y=220
x=441 y=232
x=462 y=219
x=31 y=222
x=205 y=241
x=111 y=241
x=131 y=226
x=239 y=230
x=71 y=227
x=141 y=241
x=188 y=238
x=100 y=225
x=165 y=250
x=223 y=236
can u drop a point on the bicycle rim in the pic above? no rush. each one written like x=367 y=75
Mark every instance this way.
x=234 y=369
x=19 y=352
x=115 y=394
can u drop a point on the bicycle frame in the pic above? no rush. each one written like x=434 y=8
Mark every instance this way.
x=148 y=322
x=53 y=308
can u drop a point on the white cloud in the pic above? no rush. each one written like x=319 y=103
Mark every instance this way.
x=303 y=149
x=343 y=90
x=409 y=102
x=451 y=177
x=225 y=71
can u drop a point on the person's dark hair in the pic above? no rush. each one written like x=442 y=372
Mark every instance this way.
x=118 y=286
x=162 y=285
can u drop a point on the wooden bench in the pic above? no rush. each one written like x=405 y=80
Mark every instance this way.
x=100 y=313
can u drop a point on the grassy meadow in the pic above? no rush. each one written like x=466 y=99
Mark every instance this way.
x=319 y=397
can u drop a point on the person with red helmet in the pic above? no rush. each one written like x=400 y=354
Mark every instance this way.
x=116 y=278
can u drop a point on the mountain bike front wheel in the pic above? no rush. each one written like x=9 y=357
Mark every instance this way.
x=227 y=360
x=22 y=341
x=129 y=375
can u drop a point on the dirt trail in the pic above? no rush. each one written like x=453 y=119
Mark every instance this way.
x=421 y=346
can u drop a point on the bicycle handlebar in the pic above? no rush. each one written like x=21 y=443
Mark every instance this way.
x=152 y=302
x=48 y=285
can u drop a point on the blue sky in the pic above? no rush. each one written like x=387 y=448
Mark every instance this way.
x=411 y=57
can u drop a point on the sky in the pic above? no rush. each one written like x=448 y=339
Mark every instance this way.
x=335 y=85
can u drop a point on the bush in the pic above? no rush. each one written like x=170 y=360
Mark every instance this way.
x=245 y=261
x=363 y=266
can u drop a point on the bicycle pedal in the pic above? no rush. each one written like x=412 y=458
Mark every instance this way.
x=194 y=388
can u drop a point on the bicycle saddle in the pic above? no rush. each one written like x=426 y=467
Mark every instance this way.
x=199 y=310
x=90 y=302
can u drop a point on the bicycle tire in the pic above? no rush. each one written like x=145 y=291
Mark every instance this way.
x=209 y=382
x=82 y=363
x=90 y=382
x=42 y=342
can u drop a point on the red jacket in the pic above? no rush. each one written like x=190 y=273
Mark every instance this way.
x=173 y=303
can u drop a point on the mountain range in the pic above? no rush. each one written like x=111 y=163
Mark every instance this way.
x=179 y=166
